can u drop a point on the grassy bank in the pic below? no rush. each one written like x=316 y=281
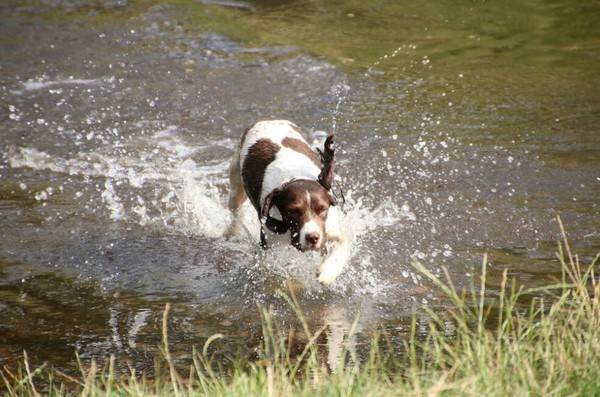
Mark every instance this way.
x=497 y=348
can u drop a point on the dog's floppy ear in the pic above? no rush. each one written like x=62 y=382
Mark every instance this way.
x=274 y=225
x=327 y=157
x=266 y=208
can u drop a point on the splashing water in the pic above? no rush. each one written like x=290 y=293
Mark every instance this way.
x=389 y=56
x=340 y=93
x=188 y=198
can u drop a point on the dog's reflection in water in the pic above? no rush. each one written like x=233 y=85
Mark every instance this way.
x=341 y=337
x=334 y=339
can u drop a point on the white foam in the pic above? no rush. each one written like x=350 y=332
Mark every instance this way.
x=168 y=140
x=201 y=206
x=43 y=82
x=117 y=212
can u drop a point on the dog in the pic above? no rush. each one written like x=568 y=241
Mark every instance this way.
x=290 y=188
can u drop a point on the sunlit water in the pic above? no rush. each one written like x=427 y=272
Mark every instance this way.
x=118 y=121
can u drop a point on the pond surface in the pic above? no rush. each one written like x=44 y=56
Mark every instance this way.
x=463 y=128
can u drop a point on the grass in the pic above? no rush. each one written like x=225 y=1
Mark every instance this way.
x=498 y=348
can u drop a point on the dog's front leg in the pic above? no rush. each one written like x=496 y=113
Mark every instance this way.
x=334 y=263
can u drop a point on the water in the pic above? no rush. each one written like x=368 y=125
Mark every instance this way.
x=462 y=129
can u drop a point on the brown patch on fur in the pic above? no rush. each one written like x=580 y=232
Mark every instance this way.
x=259 y=156
x=301 y=147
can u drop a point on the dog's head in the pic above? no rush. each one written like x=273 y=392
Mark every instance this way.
x=303 y=205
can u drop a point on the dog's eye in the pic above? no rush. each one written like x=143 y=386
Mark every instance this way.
x=295 y=212
x=321 y=211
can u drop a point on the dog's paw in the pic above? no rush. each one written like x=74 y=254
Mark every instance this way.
x=326 y=278
x=334 y=263
x=328 y=272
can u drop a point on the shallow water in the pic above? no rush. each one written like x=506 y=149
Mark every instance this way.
x=462 y=129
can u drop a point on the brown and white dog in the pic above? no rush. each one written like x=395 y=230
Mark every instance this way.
x=290 y=188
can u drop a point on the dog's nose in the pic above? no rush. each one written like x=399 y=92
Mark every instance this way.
x=312 y=238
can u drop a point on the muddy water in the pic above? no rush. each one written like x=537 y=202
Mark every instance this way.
x=463 y=129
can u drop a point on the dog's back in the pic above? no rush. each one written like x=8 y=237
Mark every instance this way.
x=272 y=153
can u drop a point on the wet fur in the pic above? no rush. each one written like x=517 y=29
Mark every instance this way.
x=283 y=178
